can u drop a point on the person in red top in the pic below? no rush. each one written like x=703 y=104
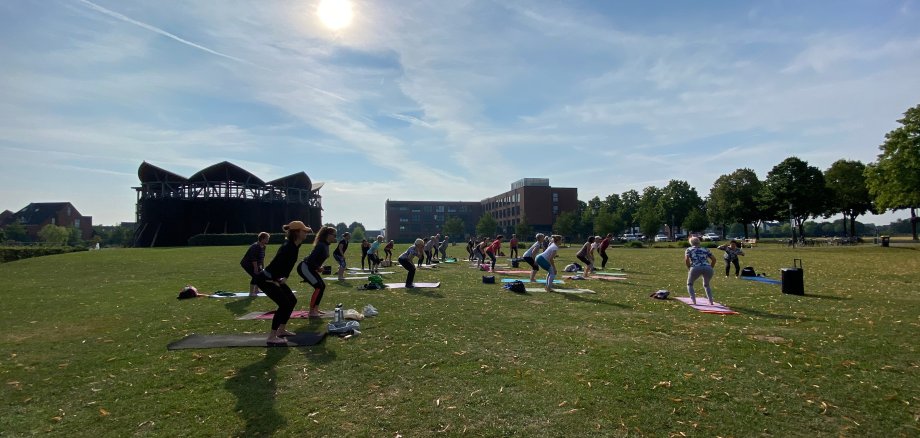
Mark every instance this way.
x=603 y=250
x=514 y=249
x=494 y=248
x=388 y=250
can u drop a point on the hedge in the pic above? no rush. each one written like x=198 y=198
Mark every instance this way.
x=13 y=253
x=235 y=239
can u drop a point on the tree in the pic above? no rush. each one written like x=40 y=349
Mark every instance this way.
x=649 y=222
x=608 y=222
x=696 y=221
x=894 y=180
x=523 y=229
x=629 y=206
x=487 y=225
x=848 y=192
x=454 y=226
x=74 y=236
x=733 y=199
x=566 y=224
x=676 y=201
x=611 y=203
x=341 y=228
x=357 y=234
x=354 y=225
x=16 y=231
x=796 y=186
x=53 y=234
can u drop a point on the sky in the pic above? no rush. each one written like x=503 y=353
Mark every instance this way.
x=442 y=100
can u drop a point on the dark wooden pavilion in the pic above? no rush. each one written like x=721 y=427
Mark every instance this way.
x=221 y=199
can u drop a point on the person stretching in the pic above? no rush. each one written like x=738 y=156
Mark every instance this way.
x=602 y=250
x=388 y=251
x=531 y=253
x=469 y=248
x=253 y=262
x=732 y=251
x=273 y=280
x=585 y=255
x=373 y=259
x=339 y=254
x=311 y=268
x=430 y=246
x=480 y=251
x=513 y=243
x=547 y=261
x=699 y=262
x=493 y=250
x=443 y=248
x=365 y=245
x=416 y=250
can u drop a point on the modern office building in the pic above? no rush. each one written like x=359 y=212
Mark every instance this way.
x=530 y=200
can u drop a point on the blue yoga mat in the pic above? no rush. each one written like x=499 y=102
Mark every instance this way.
x=541 y=280
x=762 y=280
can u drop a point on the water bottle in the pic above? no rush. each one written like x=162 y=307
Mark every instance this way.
x=339 y=314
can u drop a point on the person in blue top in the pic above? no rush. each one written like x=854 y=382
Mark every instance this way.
x=547 y=260
x=254 y=260
x=530 y=256
x=699 y=261
x=373 y=258
x=311 y=268
x=273 y=280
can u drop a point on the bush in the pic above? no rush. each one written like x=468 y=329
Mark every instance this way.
x=13 y=253
x=683 y=244
x=633 y=244
x=710 y=245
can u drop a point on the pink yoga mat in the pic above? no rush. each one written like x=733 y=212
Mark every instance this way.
x=706 y=308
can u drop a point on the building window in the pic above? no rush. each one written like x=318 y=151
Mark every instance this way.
x=404 y=219
x=555 y=197
x=76 y=223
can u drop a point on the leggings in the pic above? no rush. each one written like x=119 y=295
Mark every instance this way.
x=283 y=297
x=586 y=261
x=603 y=258
x=697 y=272
x=363 y=257
x=389 y=254
x=513 y=252
x=409 y=267
x=315 y=280
x=254 y=277
x=469 y=249
x=550 y=270
x=728 y=265
x=478 y=255
x=373 y=261
x=533 y=263
x=492 y=257
x=428 y=256
x=444 y=252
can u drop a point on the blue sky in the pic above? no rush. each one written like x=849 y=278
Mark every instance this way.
x=453 y=100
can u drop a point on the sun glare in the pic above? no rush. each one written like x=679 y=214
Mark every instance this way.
x=335 y=14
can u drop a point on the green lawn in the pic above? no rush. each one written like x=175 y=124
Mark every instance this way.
x=85 y=334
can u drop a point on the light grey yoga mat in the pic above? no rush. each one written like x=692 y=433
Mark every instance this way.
x=244 y=340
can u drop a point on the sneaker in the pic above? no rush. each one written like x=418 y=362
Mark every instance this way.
x=370 y=310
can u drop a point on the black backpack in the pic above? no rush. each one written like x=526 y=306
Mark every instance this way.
x=516 y=286
x=748 y=272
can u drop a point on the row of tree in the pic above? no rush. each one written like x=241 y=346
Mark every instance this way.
x=792 y=190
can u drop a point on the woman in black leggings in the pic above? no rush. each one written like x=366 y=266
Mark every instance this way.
x=273 y=280
x=417 y=250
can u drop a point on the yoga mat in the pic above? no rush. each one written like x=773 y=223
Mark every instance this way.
x=562 y=290
x=235 y=295
x=366 y=271
x=539 y=280
x=417 y=285
x=706 y=308
x=762 y=280
x=297 y=314
x=347 y=278
x=610 y=274
x=607 y=278
x=244 y=340
x=512 y=272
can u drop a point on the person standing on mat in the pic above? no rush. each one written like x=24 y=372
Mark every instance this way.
x=547 y=261
x=339 y=254
x=388 y=251
x=365 y=245
x=253 y=262
x=469 y=248
x=273 y=280
x=585 y=254
x=493 y=250
x=602 y=250
x=430 y=245
x=373 y=259
x=732 y=251
x=416 y=250
x=700 y=262
x=480 y=251
x=531 y=254
x=513 y=243
x=443 y=248
x=311 y=268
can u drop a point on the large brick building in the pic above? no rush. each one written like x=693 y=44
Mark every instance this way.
x=38 y=214
x=530 y=200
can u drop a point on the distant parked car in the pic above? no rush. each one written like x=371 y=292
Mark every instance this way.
x=631 y=237
x=711 y=237
x=661 y=238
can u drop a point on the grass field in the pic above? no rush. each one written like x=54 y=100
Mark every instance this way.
x=84 y=340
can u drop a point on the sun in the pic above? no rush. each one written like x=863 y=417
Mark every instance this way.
x=335 y=14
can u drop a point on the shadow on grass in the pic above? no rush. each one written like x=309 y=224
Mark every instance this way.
x=584 y=299
x=254 y=387
x=762 y=314
x=826 y=297
x=240 y=305
x=427 y=293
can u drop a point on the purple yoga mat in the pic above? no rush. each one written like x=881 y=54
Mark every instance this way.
x=706 y=308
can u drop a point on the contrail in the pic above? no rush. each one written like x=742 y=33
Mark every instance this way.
x=160 y=31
